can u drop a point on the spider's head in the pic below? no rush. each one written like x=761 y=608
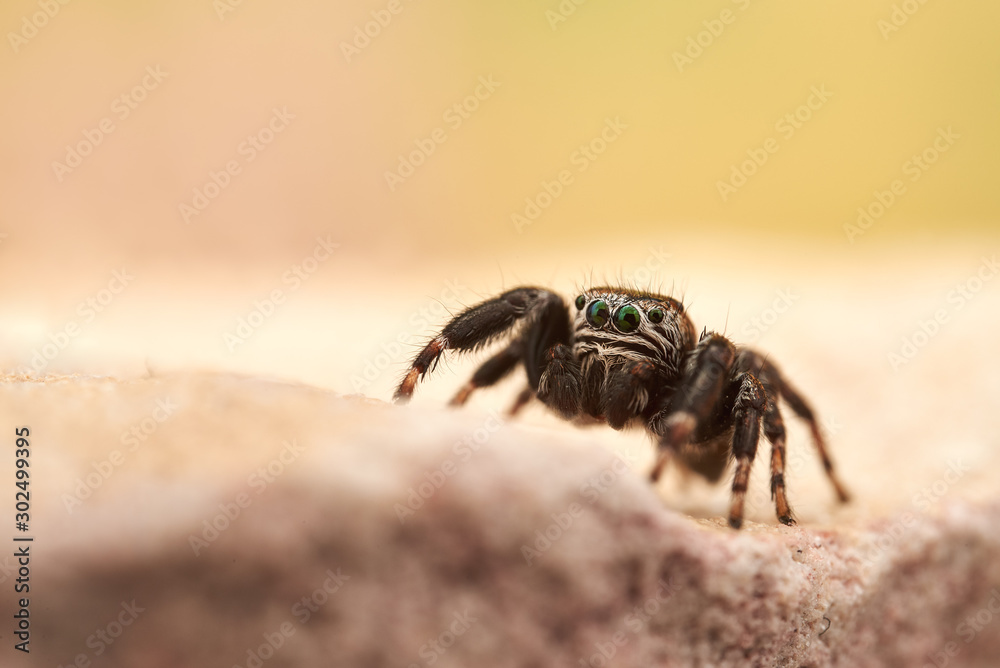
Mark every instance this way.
x=621 y=323
x=625 y=311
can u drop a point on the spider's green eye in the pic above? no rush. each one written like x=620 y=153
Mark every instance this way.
x=655 y=314
x=581 y=301
x=627 y=319
x=598 y=314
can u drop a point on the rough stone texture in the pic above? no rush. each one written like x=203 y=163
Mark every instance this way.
x=621 y=572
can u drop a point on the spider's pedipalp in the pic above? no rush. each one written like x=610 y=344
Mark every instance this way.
x=559 y=385
x=626 y=392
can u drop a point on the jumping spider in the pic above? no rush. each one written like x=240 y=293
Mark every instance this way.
x=630 y=356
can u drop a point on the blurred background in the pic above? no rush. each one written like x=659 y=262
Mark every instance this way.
x=307 y=190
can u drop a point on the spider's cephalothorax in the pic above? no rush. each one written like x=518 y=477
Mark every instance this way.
x=627 y=357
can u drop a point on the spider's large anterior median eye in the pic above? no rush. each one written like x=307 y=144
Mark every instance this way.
x=581 y=301
x=598 y=314
x=627 y=319
x=656 y=314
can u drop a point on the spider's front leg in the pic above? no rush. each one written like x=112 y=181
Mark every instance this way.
x=713 y=397
x=548 y=324
x=706 y=373
x=748 y=409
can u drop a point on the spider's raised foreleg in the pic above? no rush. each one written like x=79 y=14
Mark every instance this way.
x=483 y=323
x=776 y=385
x=548 y=327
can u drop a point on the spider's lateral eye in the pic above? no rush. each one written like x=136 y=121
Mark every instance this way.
x=627 y=318
x=598 y=314
x=656 y=314
x=581 y=301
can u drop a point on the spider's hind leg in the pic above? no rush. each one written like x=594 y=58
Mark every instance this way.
x=776 y=386
x=804 y=411
x=774 y=430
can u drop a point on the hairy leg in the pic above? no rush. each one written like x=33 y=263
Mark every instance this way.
x=476 y=327
x=491 y=372
x=706 y=372
x=522 y=400
x=748 y=409
x=776 y=386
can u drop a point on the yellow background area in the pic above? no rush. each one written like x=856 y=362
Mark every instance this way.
x=838 y=97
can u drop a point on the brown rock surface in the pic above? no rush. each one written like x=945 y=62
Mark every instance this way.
x=319 y=480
